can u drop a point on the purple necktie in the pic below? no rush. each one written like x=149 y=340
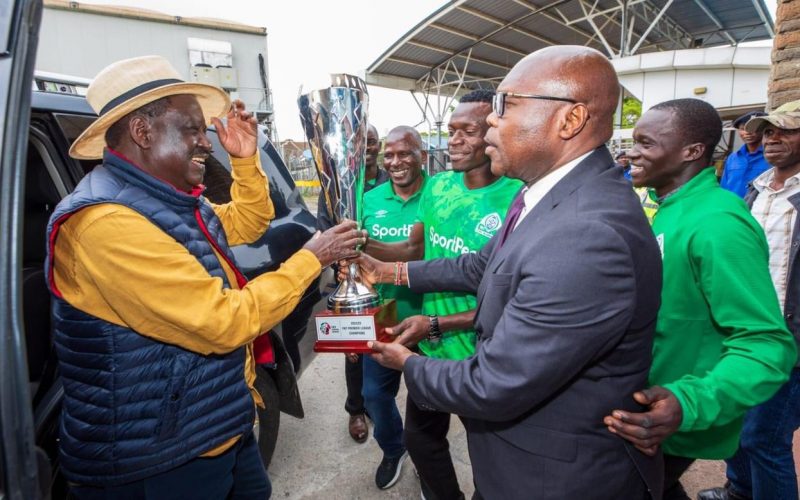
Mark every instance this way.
x=514 y=211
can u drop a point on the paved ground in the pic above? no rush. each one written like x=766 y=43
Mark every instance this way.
x=315 y=457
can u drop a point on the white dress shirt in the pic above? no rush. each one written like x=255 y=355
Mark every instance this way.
x=536 y=192
x=777 y=215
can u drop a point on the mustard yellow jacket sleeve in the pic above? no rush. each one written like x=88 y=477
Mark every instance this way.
x=249 y=213
x=111 y=262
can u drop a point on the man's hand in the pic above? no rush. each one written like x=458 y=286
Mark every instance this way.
x=392 y=355
x=411 y=330
x=649 y=429
x=370 y=271
x=240 y=136
x=337 y=243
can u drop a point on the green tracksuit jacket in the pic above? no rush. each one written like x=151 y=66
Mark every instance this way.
x=721 y=343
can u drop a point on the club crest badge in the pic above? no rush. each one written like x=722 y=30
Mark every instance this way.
x=489 y=225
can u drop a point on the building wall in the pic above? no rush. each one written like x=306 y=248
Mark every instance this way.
x=81 y=44
x=732 y=77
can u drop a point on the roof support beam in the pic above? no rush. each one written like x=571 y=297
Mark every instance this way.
x=414 y=32
x=504 y=24
x=604 y=12
x=486 y=38
x=589 y=37
x=427 y=66
x=450 y=52
x=598 y=31
x=715 y=20
x=767 y=22
x=664 y=27
x=429 y=46
x=453 y=31
x=650 y=28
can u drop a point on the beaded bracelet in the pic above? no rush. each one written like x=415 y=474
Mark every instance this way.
x=397 y=274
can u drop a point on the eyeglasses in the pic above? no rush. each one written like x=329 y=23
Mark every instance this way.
x=499 y=100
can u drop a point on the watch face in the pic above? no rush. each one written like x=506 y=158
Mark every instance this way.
x=434 y=334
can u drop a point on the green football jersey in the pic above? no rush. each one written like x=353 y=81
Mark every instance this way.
x=459 y=220
x=387 y=217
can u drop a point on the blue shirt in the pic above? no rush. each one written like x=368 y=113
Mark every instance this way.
x=741 y=168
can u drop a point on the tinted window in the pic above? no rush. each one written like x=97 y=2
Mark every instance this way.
x=72 y=126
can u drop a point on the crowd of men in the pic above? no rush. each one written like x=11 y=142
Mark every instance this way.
x=596 y=326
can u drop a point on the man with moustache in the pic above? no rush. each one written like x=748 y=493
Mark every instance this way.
x=748 y=162
x=153 y=322
x=567 y=297
x=764 y=467
x=354 y=368
x=460 y=211
x=721 y=344
x=389 y=214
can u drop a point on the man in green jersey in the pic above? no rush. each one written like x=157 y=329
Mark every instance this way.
x=721 y=343
x=459 y=212
x=389 y=212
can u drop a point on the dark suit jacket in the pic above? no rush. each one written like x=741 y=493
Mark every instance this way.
x=565 y=322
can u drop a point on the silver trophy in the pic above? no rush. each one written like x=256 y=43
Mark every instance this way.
x=335 y=123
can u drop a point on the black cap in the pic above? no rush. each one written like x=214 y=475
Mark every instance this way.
x=621 y=154
x=746 y=117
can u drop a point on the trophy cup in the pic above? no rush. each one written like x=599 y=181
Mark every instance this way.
x=335 y=123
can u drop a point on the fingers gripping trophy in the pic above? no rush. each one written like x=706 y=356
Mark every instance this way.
x=335 y=123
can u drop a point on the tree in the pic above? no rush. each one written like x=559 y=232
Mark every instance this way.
x=631 y=111
x=784 y=78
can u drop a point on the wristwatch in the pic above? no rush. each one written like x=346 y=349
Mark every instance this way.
x=434 y=334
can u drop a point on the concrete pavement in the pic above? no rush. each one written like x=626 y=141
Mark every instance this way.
x=316 y=458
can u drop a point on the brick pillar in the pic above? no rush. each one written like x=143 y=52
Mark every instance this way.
x=784 y=78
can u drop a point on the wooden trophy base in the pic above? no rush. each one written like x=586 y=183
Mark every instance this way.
x=338 y=332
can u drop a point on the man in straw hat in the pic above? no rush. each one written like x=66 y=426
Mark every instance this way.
x=153 y=322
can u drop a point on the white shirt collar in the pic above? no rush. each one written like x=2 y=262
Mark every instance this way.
x=536 y=192
x=763 y=181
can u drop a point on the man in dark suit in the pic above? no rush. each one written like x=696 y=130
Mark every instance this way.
x=568 y=292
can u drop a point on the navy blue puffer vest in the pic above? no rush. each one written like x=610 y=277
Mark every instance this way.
x=134 y=407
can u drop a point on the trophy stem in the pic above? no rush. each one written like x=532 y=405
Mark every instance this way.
x=352 y=295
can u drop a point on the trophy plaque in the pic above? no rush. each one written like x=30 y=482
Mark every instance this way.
x=334 y=120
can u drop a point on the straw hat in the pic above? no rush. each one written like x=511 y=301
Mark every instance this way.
x=130 y=84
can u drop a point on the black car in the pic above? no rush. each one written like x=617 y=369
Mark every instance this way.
x=36 y=172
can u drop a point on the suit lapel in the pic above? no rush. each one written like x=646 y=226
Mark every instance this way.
x=593 y=165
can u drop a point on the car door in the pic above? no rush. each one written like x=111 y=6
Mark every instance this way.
x=21 y=466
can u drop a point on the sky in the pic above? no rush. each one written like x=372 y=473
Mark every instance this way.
x=314 y=38
x=308 y=39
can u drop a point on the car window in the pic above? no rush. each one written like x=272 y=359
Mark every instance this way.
x=72 y=126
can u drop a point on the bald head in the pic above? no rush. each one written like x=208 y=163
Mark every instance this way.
x=404 y=132
x=557 y=104
x=579 y=73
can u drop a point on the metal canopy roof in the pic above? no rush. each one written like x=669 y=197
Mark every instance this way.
x=469 y=44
